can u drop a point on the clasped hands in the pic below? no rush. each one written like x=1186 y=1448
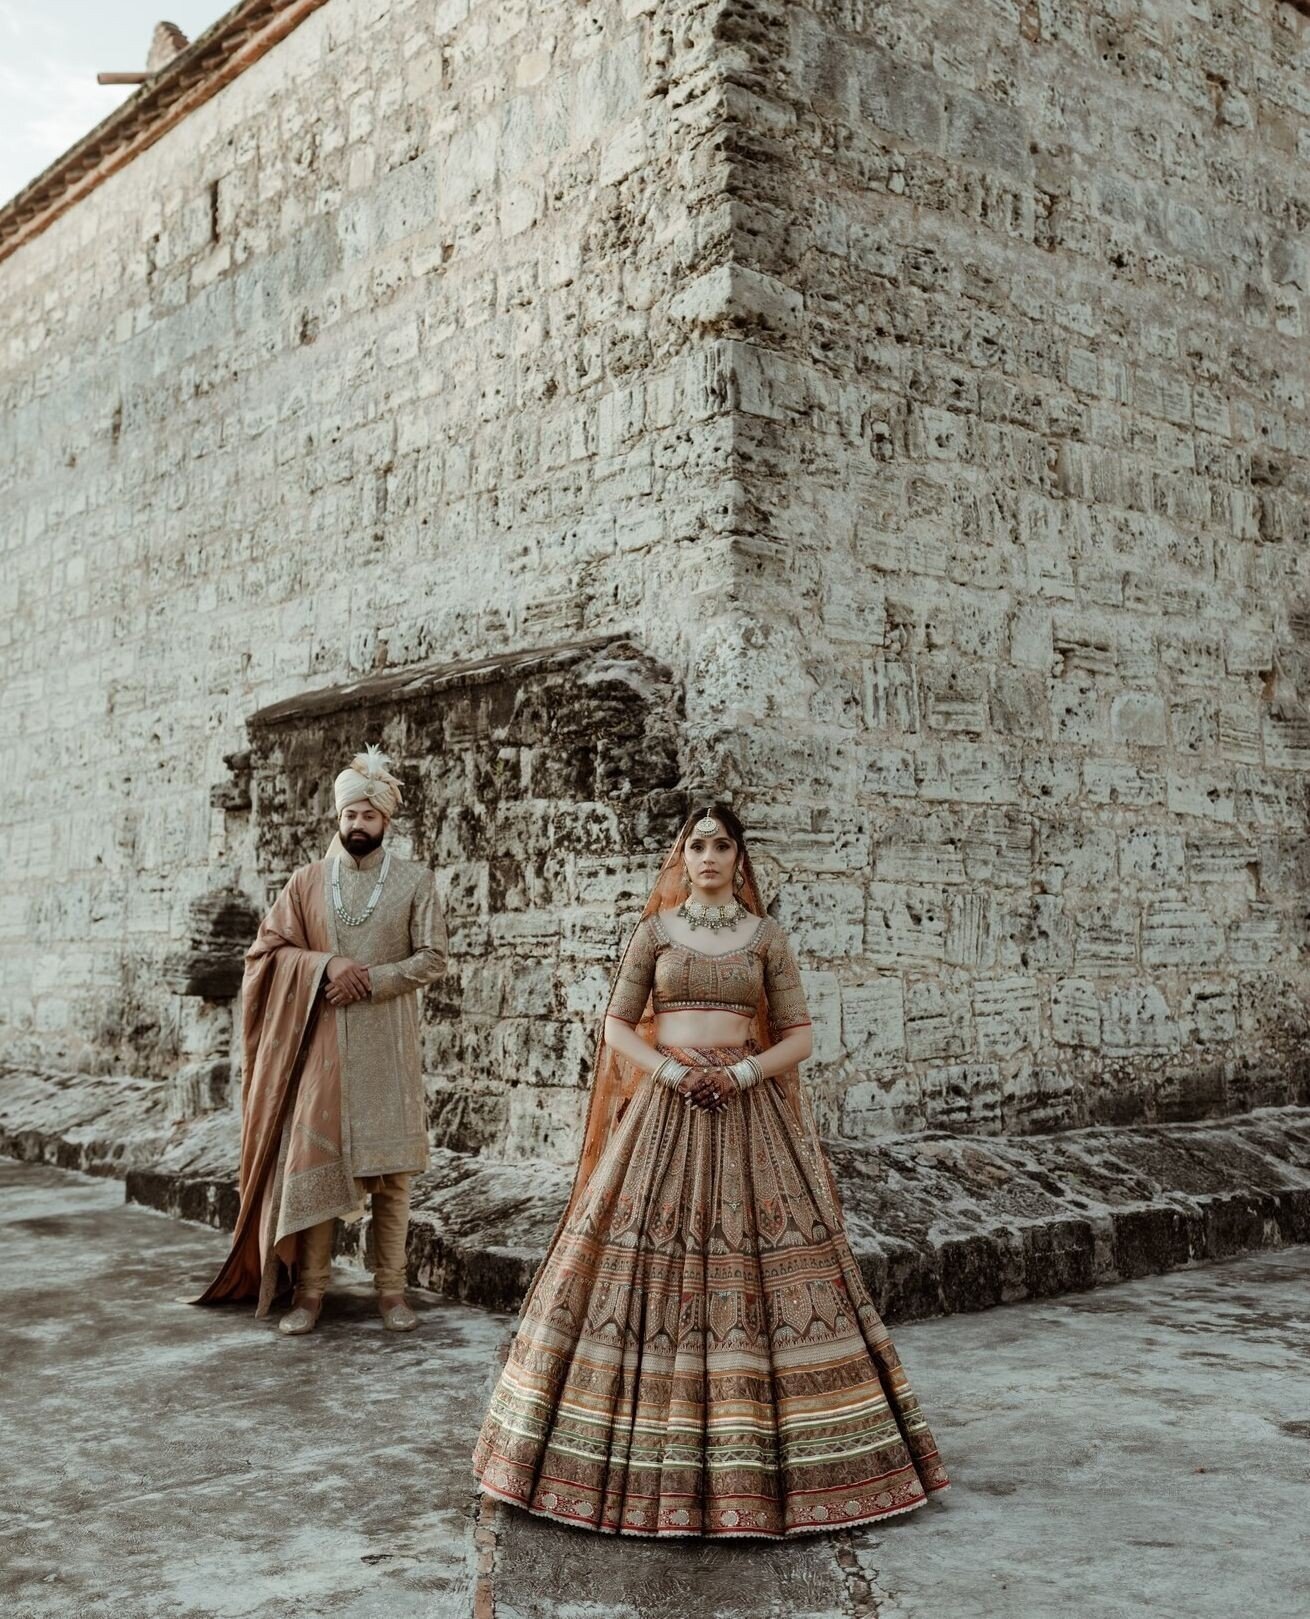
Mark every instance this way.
x=710 y=1089
x=346 y=981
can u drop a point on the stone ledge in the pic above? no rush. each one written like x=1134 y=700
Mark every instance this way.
x=940 y=1223
x=99 y=1124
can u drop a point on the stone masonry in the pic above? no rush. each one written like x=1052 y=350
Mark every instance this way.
x=527 y=777
x=1021 y=453
x=894 y=416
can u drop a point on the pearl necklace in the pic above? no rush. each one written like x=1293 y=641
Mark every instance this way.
x=713 y=917
x=357 y=919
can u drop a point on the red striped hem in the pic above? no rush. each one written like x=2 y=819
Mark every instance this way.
x=697 y=1495
x=710 y=1534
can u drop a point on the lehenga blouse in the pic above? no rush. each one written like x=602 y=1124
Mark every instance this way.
x=680 y=978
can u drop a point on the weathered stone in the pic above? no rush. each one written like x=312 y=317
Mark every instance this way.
x=520 y=770
x=854 y=385
x=939 y=1222
x=200 y=1087
x=1135 y=1382
x=221 y=927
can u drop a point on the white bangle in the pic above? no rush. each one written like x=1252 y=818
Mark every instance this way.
x=671 y=1073
x=746 y=1073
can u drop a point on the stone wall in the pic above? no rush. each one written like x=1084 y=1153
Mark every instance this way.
x=534 y=782
x=1021 y=438
x=369 y=361
x=923 y=388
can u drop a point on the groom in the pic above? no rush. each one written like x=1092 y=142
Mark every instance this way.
x=332 y=1093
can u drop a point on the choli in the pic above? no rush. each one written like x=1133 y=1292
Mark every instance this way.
x=676 y=977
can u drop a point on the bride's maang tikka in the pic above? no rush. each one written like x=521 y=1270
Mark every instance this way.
x=706 y=827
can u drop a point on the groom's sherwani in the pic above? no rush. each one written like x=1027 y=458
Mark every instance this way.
x=332 y=1097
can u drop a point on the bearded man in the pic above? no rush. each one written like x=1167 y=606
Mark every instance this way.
x=332 y=1097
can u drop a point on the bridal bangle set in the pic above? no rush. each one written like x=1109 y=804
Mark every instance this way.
x=747 y=1072
x=672 y=1073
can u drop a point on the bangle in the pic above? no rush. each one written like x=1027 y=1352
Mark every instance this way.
x=746 y=1073
x=671 y=1073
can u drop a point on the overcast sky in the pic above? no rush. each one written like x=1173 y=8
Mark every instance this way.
x=50 y=53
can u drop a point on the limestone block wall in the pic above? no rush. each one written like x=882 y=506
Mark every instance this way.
x=371 y=359
x=923 y=387
x=1020 y=367
x=533 y=784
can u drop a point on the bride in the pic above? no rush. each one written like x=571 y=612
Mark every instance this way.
x=697 y=1354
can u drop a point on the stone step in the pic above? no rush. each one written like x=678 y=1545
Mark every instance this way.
x=939 y=1222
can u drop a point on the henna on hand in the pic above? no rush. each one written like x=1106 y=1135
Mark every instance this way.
x=712 y=1089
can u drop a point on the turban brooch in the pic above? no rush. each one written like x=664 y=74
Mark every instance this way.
x=368 y=777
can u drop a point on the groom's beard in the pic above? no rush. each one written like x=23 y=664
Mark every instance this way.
x=360 y=843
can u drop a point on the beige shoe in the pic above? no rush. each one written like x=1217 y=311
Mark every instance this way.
x=302 y=1317
x=396 y=1314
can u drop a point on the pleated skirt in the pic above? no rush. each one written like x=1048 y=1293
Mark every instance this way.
x=700 y=1355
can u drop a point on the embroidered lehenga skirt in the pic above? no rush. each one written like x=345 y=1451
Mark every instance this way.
x=700 y=1355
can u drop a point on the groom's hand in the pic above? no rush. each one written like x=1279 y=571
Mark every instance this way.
x=347 y=981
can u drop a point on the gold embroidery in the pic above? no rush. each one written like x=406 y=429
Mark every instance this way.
x=766 y=1398
x=680 y=978
x=403 y=944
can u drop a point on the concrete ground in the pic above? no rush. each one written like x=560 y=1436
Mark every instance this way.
x=1139 y=1450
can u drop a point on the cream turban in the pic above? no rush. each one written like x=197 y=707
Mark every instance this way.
x=368 y=777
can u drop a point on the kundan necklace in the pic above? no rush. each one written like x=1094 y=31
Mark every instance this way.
x=714 y=917
x=357 y=919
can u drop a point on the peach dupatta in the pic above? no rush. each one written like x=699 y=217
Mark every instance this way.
x=290 y=1095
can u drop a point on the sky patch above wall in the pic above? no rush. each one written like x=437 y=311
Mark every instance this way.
x=49 y=58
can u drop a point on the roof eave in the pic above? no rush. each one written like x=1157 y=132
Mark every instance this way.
x=235 y=42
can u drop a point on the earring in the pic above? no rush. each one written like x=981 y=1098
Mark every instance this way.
x=738 y=878
x=686 y=880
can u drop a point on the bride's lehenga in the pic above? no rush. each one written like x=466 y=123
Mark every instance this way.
x=697 y=1353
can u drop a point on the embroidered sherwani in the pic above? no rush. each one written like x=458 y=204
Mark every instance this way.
x=403 y=944
x=332 y=1097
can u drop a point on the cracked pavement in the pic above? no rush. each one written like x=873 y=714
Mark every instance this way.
x=1140 y=1449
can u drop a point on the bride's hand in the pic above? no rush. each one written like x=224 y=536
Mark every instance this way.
x=710 y=1088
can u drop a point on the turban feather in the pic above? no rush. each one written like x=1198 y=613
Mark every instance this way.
x=368 y=777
